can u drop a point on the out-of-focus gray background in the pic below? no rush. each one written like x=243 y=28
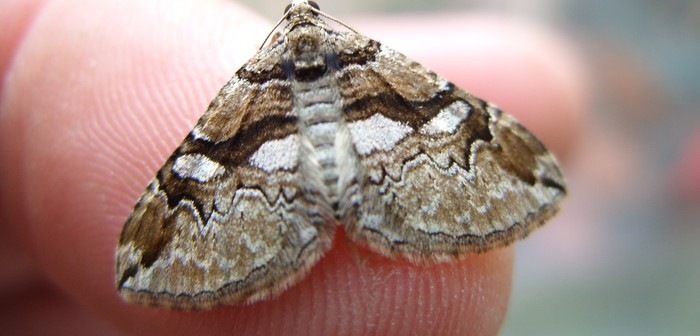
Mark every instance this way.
x=623 y=258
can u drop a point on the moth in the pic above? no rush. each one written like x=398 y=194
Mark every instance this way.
x=323 y=128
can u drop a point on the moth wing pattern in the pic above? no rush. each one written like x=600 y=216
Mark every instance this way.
x=464 y=178
x=211 y=228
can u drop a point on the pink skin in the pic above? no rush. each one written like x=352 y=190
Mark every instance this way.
x=96 y=94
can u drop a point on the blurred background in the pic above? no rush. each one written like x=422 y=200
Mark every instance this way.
x=623 y=257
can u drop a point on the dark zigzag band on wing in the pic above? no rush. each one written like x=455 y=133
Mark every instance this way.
x=232 y=292
x=472 y=243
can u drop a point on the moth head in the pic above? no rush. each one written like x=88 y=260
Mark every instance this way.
x=308 y=7
x=297 y=3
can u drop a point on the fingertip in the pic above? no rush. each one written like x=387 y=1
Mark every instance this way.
x=367 y=293
x=356 y=291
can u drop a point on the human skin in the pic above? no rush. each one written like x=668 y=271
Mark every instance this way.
x=97 y=94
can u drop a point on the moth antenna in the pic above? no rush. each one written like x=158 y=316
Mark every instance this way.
x=320 y=13
x=284 y=17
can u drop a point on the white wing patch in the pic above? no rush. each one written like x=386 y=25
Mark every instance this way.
x=448 y=119
x=197 y=167
x=277 y=154
x=377 y=133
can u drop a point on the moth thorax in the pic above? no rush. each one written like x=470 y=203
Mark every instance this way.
x=307 y=55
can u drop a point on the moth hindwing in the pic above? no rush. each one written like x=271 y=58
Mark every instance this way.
x=321 y=128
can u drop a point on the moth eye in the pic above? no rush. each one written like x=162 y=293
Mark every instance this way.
x=286 y=9
x=314 y=5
